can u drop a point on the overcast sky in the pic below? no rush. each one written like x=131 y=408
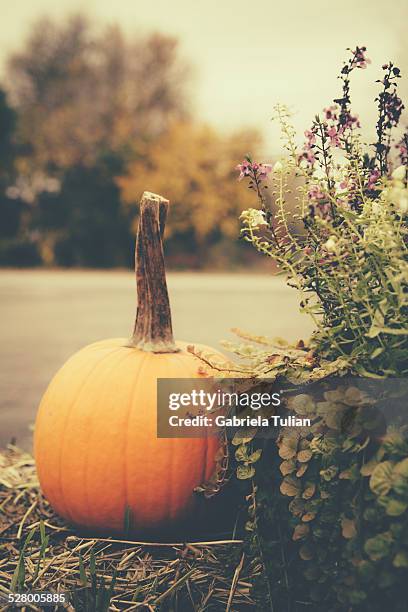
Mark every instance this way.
x=250 y=54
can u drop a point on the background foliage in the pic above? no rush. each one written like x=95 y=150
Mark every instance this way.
x=89 y=120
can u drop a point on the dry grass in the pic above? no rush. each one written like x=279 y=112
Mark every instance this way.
x=38 y=551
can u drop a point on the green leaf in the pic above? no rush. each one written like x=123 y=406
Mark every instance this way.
x=255 y=456
x=368 y=468
x=394 y=331
x=379 y=547
x=401 y=468
x=381 y=478
x=400 y=560
x=245 y=471
x=356 y=597
x=366 y=570
x=241 y=454
x=377 y=352
x=396 y=507
x=82 y=573
x=243 y=436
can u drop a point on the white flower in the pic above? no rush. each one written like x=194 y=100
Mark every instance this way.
x=403 y=203
x=278 y=167
x=398 y=196
x=254 y=217
x=399 y=173
x=376 y=208
x=331 y=244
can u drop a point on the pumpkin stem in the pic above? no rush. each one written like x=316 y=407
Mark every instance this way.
x=153 y=330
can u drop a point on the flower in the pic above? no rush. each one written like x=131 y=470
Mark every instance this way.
x=264 y=170
x=331 y=244
x=333 y=134
x=360 y=60
x=373 y=178
x=278 y=167
x=315 y=193
x=399 y=173
x=244 y=169
x=253 y=217
x=256 y=171
x=331 y=112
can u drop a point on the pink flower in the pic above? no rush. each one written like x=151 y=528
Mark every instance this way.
x=360 y=60
x=310 y=137
x=256 y=171
x=264 y=170
x=347 y=120
x=315 y=193
x=244 y=169
x=373 y=178
x=333 y=134
x=331 y=112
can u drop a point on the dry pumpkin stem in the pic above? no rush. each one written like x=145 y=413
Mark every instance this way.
x=153 y=329
x=150 y=576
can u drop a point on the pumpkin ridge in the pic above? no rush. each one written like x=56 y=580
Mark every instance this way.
x=58 y=478
x=65 y=428
x=190 y=367
x=90 y=446
x=127 y=420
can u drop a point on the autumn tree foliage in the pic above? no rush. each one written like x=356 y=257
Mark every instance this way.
x=194 y=166
x=80 y=92
x=99 y=118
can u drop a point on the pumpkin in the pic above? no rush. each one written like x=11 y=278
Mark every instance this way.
x=98 y=456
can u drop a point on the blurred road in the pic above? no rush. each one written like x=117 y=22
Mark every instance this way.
x=47 y=315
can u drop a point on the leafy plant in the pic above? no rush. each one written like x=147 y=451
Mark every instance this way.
x=344 y=245
x=328 y=504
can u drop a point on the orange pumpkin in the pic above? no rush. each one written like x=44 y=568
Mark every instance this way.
x=96 y=448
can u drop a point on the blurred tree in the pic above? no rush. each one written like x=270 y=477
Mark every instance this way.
x=84 y=100
x=15 y=248
x=93 y=106
x=79 y=93
x=194 y=167
x=83 y=224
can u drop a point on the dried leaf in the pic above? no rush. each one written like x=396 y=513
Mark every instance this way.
x=309 y=491
x=288 y=447
x=302 y=470
x=301 y=531
x=348 y=528
x=290 y=486
x=304 y=456
x=287 y=467
x=309 y=516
